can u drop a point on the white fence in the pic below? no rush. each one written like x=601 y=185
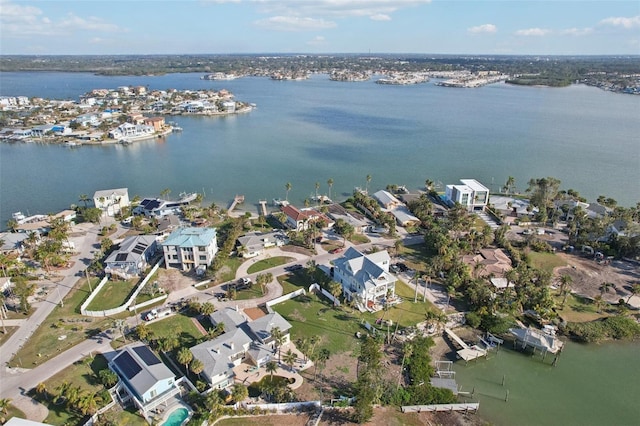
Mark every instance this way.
x=125 y=306
x=316 y=287
x=286 y=406
x=285 y=297
x=441 y=407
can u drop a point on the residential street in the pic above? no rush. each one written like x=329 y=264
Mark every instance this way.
x=14 y=382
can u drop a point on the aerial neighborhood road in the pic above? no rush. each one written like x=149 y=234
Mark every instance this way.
x=16 y=382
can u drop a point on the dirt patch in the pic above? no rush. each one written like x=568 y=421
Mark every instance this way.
x=588 y=275
x=392 y=416
x=297 y=249
x=173 y=280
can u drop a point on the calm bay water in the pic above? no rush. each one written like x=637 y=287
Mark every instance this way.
x=591 y=385
x=304 y=132
x=309 y=131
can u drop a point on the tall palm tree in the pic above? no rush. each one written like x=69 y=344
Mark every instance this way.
x=321 y=360
x=565 y=280
x=330 y=183
x=290 y=359
x=287 y=187
x=407 y=351
x=317 y=187
x=120 y=324
x=196 y=366
x=415 y=296
x=278 y=340
x=271 y=368
x=367 y=185
x=184 y=357
x=84 y=198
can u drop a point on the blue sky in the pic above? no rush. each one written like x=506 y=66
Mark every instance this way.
x=320 y=26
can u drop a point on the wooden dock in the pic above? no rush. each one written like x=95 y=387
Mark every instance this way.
x=470 y=407
x=467 y=353
x=238 y=199
x=263 y=207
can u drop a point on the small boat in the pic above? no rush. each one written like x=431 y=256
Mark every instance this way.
x=280 y=203
x=124 y=141
x=72 y=144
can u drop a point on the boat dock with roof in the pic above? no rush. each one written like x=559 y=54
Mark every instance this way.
x=467 y=353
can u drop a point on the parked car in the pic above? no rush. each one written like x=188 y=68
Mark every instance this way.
x=293 y=268
x=336 y=250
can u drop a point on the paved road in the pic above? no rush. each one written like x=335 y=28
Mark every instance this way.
x=15 y=381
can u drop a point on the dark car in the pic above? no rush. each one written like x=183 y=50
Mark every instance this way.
x=293 y=268
x=402 y=267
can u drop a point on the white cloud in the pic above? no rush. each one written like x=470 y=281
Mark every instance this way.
x=577 y=31
x=337 y=9
x=483 y=29
x=380 y=17
x=21 y=21
x=294 y=23
x=533 y=32
x=626 y=23
x=317 y=41
x=91 y=23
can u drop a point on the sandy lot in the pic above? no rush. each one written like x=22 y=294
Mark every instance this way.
x=588 y=275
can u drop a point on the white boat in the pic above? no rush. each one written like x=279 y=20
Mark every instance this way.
x=321 y=199
x=280 y=203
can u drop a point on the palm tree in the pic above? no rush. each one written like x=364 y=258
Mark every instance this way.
x=5 y=403
x=271 y=368
x=565 y=280
x=41 y=389
x=330 y=183
x=598 y=302
x=164 y=194
x=605 y=287
x=635 y=290
x=278 y=339
x=407 y=351
x=88 y=402
x=290 y=359
x=184 y=357
x=239 y=392
x=415 y=296
x=84 y=198
x=288 y=187
x=428 y=184
x=196 y=366
x=120 y=324
x=144 y=332
x=317 y=187
x=335 y=288
x=321 y=361
x=510 y=185
x=367 y=185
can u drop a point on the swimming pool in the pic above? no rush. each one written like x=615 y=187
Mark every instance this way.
x=176 y=417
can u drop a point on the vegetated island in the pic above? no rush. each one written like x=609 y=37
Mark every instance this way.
x=620 y=74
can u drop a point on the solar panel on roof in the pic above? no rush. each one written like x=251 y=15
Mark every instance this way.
x=121 y=257
x=139 y=248
x=145 y=202
x=127 y=365
x=146 y=355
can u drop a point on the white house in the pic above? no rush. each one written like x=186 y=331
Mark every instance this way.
x=471 y=194
x=387 y=200
x=144 y=379
x=365 y=277
x=112 y=200
x=254 y=243
x=132 y=256
x=188 y=248
x=243 y=341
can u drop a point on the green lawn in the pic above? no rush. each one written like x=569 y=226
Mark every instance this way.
x=249 y=293
x=83 y=374
x=178 y=325
x=406 y=313
x=311 y=315
x=546 y=261
x=4 y=336
x=112 y=295
x=63 y=328
x=579 y=309
x=268 y=263
x=228 y=271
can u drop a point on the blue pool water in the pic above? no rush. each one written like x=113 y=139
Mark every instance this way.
x=177 y=417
